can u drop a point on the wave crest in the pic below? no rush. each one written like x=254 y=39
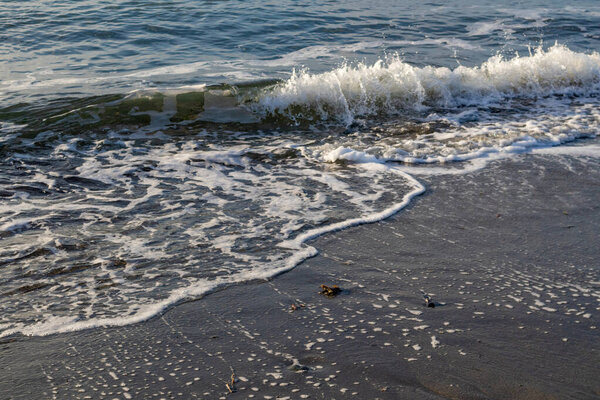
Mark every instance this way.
x=340 y=96
x=390 y=87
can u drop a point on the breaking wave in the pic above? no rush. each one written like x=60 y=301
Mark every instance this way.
x=341 y=96
x=391 y=87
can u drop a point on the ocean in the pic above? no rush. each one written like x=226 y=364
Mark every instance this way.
x=155 y=151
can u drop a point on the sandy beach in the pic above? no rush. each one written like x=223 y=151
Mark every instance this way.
x=509 y=254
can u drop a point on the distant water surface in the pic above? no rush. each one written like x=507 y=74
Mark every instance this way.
x=54 y=48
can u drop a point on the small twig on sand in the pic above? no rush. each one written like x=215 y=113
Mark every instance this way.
x=231 y=384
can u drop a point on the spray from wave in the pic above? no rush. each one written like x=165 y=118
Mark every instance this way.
x=342 y=96
x=395 y=86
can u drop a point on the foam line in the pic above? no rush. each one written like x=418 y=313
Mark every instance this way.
x=203 y=287
x=418 y=189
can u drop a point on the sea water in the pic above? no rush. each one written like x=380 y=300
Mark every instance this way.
x=152 y=152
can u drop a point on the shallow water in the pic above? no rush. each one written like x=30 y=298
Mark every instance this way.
x=152 y=152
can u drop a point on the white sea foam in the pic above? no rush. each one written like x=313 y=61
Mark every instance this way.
x=9 y=131
x=195 y=169
x=582 y=151
x=485 y=28
x=60 y=324
x=389 y=87
x=542 y=125
x=15 y=224
x=176 y=165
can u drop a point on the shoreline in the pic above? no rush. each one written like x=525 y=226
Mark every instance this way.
x=206 y=287
x=519 y=227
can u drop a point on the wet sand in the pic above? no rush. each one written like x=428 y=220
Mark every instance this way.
x=509 y=254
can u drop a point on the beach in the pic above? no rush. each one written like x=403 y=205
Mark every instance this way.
x=299 y=200
x=508 y=254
